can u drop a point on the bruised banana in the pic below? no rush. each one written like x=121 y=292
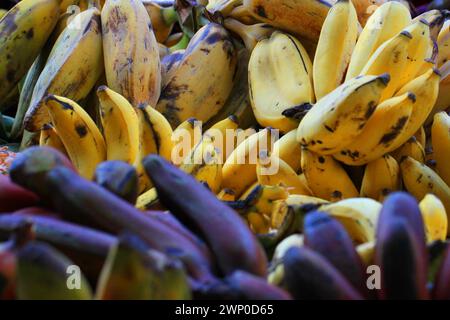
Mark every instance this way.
x=120 y=126
x=193 y=90
x=81 y=138
x=338 y=118
x=73 y=67
x=411 y=148
x=335 y=46
x=381 y=177
x=24 y=30
x=419 y=180
x=49 y=138
x=434 y=218
x=280 y=78
x=288 y=149
x=132 y=63
x=440 y=139
x=380 y=133
x=303 y=18
x=250 y=34
x=326 y=178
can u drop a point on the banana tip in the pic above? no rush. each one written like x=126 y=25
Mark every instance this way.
x=385 y=78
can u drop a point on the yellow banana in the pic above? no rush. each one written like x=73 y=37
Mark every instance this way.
x=443 y=42
x=242 y=14
x=381 y=176
x=73 y=66
x=443 y=98
x=366 y=251
x=273 y=171
x=239 y=170
x=23 y=32
x=297 y=199
x=381 y=131
x=120 y=126
x=223 y=6
x=3 y=12
x=421 y=137
x=358 y=215
x=303 y=18
x=385 y=22
x=289 y=150
x=435 y=19
x=392 y=58
x=326 y=178
x=187 y=135
x=434 y=218
x=49 y=138
x=223 y=135
x=419 y=180
x=337 y=119
x=81 y=138
x=250 y=34
x=163 y=19
x=411 y=148
x=193 y=90
x=146 y=200
x=336 y=43
x=132 y=63
x=280 y=80
x=205 y=164
x=440 y=139
x=295 y=240
x=226 y=195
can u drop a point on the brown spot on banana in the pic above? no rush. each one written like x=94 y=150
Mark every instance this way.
x=394 y=132
x=81 y=130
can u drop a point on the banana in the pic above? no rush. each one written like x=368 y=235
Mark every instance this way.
x=132 y=64
x=411 y=148
x=381 y=177
x=440 y=139
x=242 y=14
x=366 y=251
x=196 y=91
x=443 y=42
x=223 y=135
x=223 y=6
x=49 y=138
x=73 y=66
x=205 y=164
x=226 y=195
x=435 y=18
x=358 y=215
x=337 y=119
x=443 y=98
x=335 y=46
x=297 y=199
x=162 y=18
x=303 y=18
x=23 y=32
x=249 y=34
x=280 y=78
x=187 y=135
x=120 y=126
x=239 y=170
x=419 y=180
x=273 y=171
x=13 y=197
x=392 y=58
x=81 y=138
x=421 y=136
x=295 y=240
x=366 y=8
x=380 y=133
x=385 y=22
x=288 y=149
x=146 y=200
x=326 y=178
x=434 y=218
x=3 y=12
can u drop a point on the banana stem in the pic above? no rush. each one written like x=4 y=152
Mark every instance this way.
x=169 y=15
x=182 y=44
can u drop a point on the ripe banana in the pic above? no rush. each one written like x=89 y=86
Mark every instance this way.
x=392 y=58
x=381 y=131
x=358 y=215
x=303 y=18
x=23 y=32
x=411 y=148
x=443 y=98
x=421 y=136
x=326 y=178
x=162 y=18
x=273 y=171
x=193 y=90
x=132 y=63
x=239 y=170
x=223 y=135
x=381 y=177
x=49 y=138
x=73 y=66
x=288 y=149
x=440 y=139
x=388 y=20
x=443 y=42
x=280 y=79
x=250 y=34
x=434 y=218
x=81 y=138
x=419 y=180
x=120 y=126
x=336 y=43
x=187 y=135
x=337 y=119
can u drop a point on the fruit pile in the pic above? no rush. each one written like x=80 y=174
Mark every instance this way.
x=230 y=149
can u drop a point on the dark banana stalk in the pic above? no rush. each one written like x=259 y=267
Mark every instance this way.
x=217 y=223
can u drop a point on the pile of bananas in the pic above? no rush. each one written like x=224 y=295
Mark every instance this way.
x=297 y=125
